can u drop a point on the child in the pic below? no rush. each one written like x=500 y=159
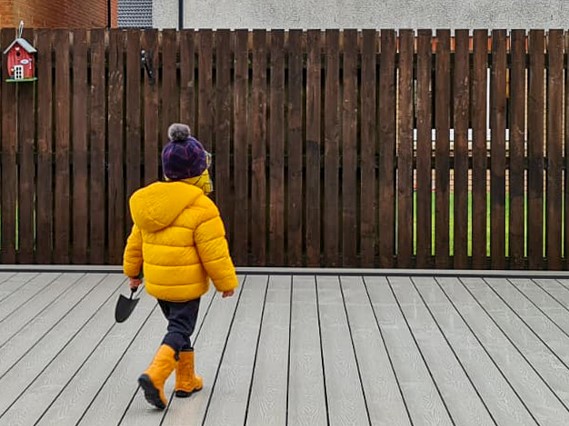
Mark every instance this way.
x=179 y=237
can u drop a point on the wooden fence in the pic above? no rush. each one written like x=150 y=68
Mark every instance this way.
x=336 y=148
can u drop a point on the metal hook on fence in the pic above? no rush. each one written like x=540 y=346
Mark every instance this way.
x=20 y=29
x=146 y=60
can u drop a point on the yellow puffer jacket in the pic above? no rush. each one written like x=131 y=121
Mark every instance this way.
x=178 y=238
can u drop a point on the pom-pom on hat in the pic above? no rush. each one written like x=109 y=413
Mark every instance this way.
x=183 y=156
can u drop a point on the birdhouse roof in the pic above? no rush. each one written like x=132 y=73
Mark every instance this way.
x=22 y=42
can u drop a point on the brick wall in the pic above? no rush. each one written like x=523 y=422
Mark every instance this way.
x=57 y=13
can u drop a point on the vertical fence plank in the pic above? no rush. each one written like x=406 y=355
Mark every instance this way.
x=331 y=149
x=276 y=164
x=205 y=88
x=498 y=150
x=387 y=113
x=170 y=93
x=442 y=148
x=536 y=113
x=133 y=143
x=151 y=127
x=405 y=151
x=566 y=163
x=62 y=147
x=461 y=117
x=259 y=152
x=9 y=167
x=424 y=148
x=368 y=149
x=3 y=63
x=517 y=147
x=349 y=149
x=115 y=155
x=313 y=146
x=479 y=156
x=97 y=179
x=187 y=78
x=554 y=147
x=240 y=150
x=26 y=177
x=80 y=148
x=223 y=98
x=295 y=187
x=44 y=189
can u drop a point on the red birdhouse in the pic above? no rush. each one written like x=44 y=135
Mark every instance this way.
x=21 y=60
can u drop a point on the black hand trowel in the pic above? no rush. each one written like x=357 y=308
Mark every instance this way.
x=125 y=306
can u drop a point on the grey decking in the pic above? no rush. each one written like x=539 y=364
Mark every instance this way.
x=293 y=349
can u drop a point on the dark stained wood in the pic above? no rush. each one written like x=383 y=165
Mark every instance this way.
x=44 y=186
x=554 y=148
x=97 y=169
x=151 y=99
x=313 y=147
x=115 y=192
x=536 y=135
x=187 y=78
x=349 y=149
x=517 y=147
x=294 y=184
x=423 y=180
x=26 y=177
x=133 y=142
x=368 y=151
x=405 y=151
x=387 y=137
x=258 y=128
x=9 y=168
x=461 y=117
x=442 y=148
x=205 y=89
x=222 y=179
x=311 y=137
x=80 y=149
x=566 y=164
x=170 y=94
x=479 y=175
x=277 y=151
x=62 y=148
x=240 y=176
x=498 y=151
x=331 y=149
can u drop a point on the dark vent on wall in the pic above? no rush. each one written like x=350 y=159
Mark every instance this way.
x=135 y=13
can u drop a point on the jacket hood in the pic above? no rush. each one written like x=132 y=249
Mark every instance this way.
x=156 y=206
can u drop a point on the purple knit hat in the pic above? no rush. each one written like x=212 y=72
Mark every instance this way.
x=183 y=156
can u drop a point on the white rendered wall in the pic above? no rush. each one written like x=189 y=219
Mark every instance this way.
x=364 y=14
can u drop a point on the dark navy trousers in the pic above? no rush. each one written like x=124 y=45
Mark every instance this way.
x=181 y=318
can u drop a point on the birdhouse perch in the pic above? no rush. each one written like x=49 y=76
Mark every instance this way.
x=21 y=61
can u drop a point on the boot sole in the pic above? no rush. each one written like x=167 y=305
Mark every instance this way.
x=184 y=394
x=151 y=394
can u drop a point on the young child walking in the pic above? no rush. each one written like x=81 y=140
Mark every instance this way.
x=178 y=240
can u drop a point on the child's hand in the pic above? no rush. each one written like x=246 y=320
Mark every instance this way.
x=228 y=293
x=134 y=283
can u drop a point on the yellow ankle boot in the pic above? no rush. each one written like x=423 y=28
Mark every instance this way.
x=187 y=381
x=153 y=379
